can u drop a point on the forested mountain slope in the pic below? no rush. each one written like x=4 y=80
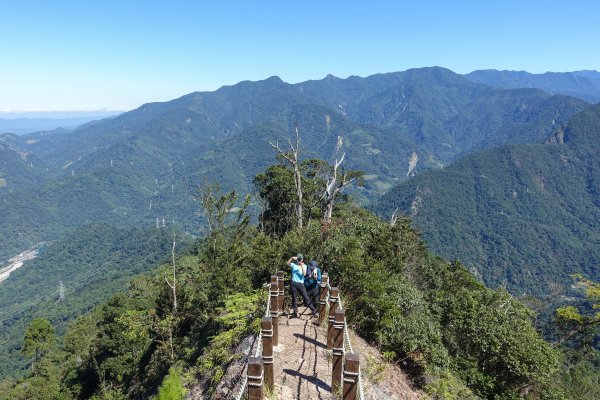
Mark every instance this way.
x=148 y=163
x=92 y=264
x=582 y=84
x=426 y=314
x=18 y=168
x=520 y=215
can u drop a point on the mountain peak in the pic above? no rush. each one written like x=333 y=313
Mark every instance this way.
x=273 y=79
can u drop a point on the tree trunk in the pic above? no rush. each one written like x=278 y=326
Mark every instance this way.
x=329 y=210
x=299 y=210
x=174 y=287
x=295 y=163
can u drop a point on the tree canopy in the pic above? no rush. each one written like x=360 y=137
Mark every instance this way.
x=455 y=337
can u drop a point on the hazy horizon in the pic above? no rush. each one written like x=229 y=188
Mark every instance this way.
x=56 y=114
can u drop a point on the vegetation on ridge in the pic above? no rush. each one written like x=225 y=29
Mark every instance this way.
x=523 y=216
x=457 y=338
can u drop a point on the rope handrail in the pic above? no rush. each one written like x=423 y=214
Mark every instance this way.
x=257 y=353
x=348 y=344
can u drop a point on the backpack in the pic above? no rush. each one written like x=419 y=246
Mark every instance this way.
x=310 y=282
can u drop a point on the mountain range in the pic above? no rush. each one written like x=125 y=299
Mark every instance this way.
x=498 y=169
x=148 y=164
x=582 y=84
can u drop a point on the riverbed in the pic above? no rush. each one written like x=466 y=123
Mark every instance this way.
x=17 y=262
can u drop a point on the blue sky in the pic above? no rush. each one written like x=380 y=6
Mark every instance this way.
x=59 y=55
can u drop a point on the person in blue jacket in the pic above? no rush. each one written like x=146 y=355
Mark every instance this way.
x=312 y=279
x=298 y=269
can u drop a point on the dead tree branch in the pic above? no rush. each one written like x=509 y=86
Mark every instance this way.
x=293 y=159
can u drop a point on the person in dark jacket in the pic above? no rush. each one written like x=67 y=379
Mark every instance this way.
x=298 y=270
x=312 y=279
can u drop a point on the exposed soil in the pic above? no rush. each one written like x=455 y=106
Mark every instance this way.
x=383 y=380
x=302 y=365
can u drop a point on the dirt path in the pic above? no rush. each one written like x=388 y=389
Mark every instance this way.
x=302 y=367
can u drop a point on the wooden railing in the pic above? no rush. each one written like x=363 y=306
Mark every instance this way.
x=346 y=375
x=338 y=340
x=253 y=378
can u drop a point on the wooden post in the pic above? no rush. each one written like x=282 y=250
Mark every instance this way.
x=266 y=326
x=275 y=279
x=274 y=309
x=280 y=283
x=255 y=379
x=351 y=368
x=338 y=351
x=333 y=305
x=324 y=292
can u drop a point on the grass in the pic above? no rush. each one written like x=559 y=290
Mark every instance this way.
x=271 y=392
x=374 y=369
x=328 y=354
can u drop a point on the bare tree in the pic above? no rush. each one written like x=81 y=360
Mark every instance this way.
x=394 y=217
x=61 y=291
x=173 y=285
x=293 y=160
x=338 y=181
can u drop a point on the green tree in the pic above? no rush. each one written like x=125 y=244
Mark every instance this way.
x=39 y=339
x=225 y=251
x=293 y=160
x=575 y=322
x=44 y=381
x=577 y=337
x=35 y=388
x=276 y=190
x=239 y=316
x=171 y=388
x=491 y=336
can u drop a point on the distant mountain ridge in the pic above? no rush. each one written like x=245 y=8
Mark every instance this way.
x=401 y=101
x=582 y=84
x=21 y=123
